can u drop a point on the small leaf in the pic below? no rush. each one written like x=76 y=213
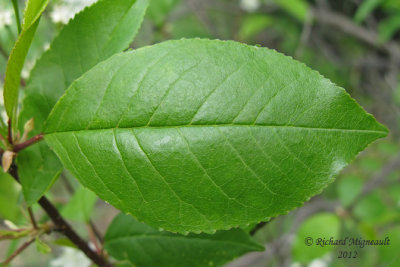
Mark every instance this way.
x=42 y=247
x=321 y=226
x=366 y=8
x=64 y=242
x=159 y=9
x=127 y=239
x=28 y=127
x=371 y=209
x=10 y=234
x=92 y=36
x=38 y=170
x=388 y=27
x=389 y=254
x=80 y=206
x=33 y=10
x=9 y=195
x=348 y=189
x=7 y=160
x=217 y=133
x=298 y=8
x=253 y=24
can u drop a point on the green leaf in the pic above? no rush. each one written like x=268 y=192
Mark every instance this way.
x=42 y=247
x=187 y=27
x=199 y=135
x=297 y=8
x=10 y=234
x=371 y=209
x=253 y=24
x=348 y=189
x=80 y=206
x=33 y=10
x=38 y=169
x=390 y=254
x=9 y=195
x=305 y=245
x=388 y=27
x=127 y=239
x=366 y=8
x=159 y=9
x=91 y=37
x=64 y=242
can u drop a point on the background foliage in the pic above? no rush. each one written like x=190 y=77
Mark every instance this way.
x=354 y=43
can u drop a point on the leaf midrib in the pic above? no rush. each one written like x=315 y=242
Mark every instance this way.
x=383 y=133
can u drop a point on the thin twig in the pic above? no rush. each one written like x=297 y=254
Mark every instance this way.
x=96 y=232
x=71 y=191
x=64 y=227
x=92 y=238
x=18 y=251
x=32 y=218
x=29 y=142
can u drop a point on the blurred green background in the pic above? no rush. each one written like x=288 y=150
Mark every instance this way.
x=355 y=43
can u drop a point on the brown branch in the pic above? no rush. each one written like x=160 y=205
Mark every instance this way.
x=29 y=142
x=32 y=218
x=93 y=239
x=64 y=227
x=18 y=251
x=71 y=191
x=96 y=232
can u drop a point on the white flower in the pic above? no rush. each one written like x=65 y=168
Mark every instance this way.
x=5 y=18
x=71 y=258
x=250 y=5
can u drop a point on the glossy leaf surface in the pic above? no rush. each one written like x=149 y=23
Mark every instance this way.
x=142 y=245
x=91 y=37
x=198 y=135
